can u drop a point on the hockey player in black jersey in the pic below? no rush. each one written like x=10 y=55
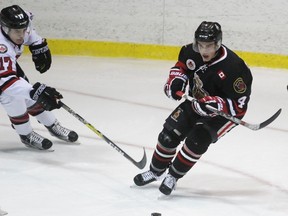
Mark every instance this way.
x=214 y=75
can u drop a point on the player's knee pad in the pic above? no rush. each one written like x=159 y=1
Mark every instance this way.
x=200 y=138
x=167 y=139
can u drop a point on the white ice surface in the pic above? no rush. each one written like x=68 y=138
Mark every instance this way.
x=245 y=173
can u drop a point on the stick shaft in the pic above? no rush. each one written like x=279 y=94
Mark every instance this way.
x=141 y=164
x=232 y=118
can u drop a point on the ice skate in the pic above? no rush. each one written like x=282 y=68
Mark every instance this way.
x=62 y=133
x=146 y=178
x=168 y=184
x=36 y=141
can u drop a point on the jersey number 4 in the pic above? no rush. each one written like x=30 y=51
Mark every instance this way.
x=241 y=102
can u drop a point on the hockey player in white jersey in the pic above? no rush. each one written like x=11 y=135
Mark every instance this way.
x=18 y=97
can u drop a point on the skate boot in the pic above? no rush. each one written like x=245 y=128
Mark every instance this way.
x=147 y=177
x=62 y=133
x=168 y=184
x=36 y=141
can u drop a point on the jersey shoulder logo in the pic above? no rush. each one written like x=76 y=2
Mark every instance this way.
x=190 y=64
x=221 y=74
x=239 y=86
x=3 y=48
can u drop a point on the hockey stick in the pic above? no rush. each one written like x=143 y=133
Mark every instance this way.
x=232 y=118
x=141 y=164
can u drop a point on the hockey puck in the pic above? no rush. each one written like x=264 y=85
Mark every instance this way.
x=155 y=214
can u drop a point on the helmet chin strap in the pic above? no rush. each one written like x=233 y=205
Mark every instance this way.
x=217 y=54
x=218 y=45
x=5 y=31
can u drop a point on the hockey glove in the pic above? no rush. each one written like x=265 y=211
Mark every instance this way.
x=199 y=106
x=177 y=81
x=46 y=96
x=41 y=56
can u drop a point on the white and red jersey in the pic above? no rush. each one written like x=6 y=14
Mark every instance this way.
x=10 y=52
x=15 y=91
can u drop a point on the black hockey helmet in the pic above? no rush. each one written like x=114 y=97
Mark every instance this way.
x=208 y=32
x=14 y=17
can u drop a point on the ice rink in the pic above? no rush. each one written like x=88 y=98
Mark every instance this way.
x=244 y=173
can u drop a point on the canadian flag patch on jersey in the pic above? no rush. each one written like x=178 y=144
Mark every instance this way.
x=3 y=48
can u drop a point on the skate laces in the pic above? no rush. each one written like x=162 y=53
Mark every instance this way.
x=149 y=175
x=35 y=138
x=170 y=181
x=60 y=130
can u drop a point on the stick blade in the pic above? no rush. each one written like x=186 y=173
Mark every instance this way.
x=142 y=163
x=270 y=120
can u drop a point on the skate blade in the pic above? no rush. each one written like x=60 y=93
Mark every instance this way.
x=44 y=150
x=40 y=150
x=162 y=196
x=65 y=142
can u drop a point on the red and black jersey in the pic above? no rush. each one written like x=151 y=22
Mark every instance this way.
x=226 y=76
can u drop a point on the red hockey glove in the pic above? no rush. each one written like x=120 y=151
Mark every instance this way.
x=199 y=106
x=177 y=81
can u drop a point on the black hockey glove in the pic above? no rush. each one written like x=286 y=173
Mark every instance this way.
x=41 y=56
x=177 y=81
x=46 y=96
